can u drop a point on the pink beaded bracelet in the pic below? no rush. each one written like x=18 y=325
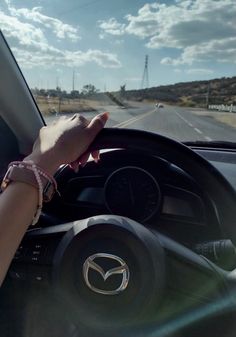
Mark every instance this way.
x=28 y=172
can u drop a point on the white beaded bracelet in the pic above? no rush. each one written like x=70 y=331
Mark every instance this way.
x=40 y=188
x=43 y=182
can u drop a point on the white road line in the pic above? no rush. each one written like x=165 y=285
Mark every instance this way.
x=185 y=120
x=134 y=119
x=191 y=125
x=199 y=131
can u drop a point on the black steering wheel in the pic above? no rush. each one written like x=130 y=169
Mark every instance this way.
x=119 y=277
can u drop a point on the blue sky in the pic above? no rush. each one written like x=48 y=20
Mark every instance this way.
x=105 y=42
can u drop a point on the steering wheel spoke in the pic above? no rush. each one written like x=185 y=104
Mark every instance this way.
x=192 y=274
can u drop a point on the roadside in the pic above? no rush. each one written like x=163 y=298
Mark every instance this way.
x=227 y=118
x=50 y=106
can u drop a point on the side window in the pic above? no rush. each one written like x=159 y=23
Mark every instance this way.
x=9 y=149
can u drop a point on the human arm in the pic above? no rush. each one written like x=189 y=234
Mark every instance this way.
x=64 y=142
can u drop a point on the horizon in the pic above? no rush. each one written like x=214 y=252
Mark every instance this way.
x=105 y=43
x=161 y=85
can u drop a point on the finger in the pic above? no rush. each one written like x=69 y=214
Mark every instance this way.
x=61 y=118
x=81 y=119
x=84 y=158
x=97 y=123
x=84 y=120
x=75 y=166
x=96 y=156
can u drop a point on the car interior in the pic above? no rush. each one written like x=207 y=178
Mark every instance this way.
x=165 y=209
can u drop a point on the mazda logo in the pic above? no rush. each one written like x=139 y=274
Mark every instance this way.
x=122 y=268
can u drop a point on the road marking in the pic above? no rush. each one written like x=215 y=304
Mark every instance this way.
x=199 y=131
x=138 y=118
x=133 y=120
x=191 y=125
x=185 y=120
x=124 y=122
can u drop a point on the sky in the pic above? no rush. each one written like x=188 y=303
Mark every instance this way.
x=104 y=42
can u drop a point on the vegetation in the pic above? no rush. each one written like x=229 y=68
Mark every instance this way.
x=219 y=91
x=191 y=94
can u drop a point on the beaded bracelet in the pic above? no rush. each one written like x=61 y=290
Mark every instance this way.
x=28 y=164
x=40 y=201
x=40 y=180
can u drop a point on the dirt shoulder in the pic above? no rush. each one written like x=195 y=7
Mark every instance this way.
x=52 y=106
x=227 y=118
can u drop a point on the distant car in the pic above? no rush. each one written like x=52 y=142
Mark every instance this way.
x=159 y=105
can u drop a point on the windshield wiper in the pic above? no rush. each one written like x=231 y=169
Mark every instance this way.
x=212 y=144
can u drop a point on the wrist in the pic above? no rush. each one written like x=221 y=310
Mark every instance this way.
x=45 y=162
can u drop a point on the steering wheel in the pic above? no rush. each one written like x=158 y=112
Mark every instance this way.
x=119 y=277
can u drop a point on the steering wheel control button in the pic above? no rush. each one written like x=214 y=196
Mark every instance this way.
x=120 y=271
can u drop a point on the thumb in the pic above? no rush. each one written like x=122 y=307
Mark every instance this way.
x=97 y=123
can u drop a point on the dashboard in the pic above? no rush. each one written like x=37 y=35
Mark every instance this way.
x=144 y=188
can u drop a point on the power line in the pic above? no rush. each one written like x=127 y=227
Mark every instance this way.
x=208 y=94
x=145 y=78
x=73 y=80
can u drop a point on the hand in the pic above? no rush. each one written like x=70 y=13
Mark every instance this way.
x=65 y=142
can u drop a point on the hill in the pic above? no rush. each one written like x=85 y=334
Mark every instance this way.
x=219 y=91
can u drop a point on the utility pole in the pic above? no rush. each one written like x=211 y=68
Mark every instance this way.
x=145 y=78
x=73 y=80
x=57 y=82
x=207 y=95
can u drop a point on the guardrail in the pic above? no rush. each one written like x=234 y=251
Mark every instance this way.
x=222 y=107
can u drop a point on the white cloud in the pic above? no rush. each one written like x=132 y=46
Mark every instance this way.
x=33 y=49
x=56 y=57
x=112 y=27
x=145 y=24
x=199 y=71
x=25 y=33
x=198 y=29
x=223 y=50
x=60 y=29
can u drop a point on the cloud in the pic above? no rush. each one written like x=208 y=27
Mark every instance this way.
x=33 y=48
x=145 y=24
x=56 y=57
x=223 y=50
x=199 y=71
x=112 y=27
x=25 y=33
x=196 y=28
x=60 y=29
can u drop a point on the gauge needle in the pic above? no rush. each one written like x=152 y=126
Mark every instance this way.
x=131 y=194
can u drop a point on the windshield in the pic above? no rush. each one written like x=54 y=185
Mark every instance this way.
x=161 y=66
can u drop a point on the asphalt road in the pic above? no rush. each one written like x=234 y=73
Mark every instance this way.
x=179 y=123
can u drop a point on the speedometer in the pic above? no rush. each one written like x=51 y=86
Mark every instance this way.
x=133 y=192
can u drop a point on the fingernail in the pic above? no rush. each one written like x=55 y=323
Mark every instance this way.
x=104 y=117
x=76 y=169
x=97 y=160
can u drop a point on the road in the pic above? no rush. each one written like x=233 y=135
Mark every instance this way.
x=182 y=124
